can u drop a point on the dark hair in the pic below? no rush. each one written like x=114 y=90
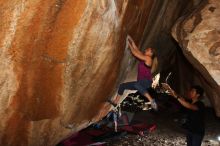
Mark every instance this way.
x=199 y=89
x=153 y=50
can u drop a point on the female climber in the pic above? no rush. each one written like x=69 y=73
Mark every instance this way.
x=144 y=76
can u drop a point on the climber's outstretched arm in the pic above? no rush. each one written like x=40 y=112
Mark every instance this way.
x=135 y=50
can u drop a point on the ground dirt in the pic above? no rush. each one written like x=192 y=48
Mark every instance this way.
x=168 y=131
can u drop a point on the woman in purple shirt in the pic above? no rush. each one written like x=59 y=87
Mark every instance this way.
x=144 y=77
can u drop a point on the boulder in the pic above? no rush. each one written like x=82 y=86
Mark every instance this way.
x=60 y=62
x=198 y=34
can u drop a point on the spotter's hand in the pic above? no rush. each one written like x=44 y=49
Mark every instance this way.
x=169 y=89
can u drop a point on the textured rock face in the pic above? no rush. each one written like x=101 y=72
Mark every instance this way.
x=60 y=61
x=199 y=36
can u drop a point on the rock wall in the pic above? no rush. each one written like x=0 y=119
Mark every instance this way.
x=61 y=60
x=199 y=37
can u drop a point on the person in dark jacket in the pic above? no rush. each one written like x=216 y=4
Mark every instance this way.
x=196 y=111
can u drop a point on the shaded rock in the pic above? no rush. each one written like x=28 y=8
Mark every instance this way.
x=198 y=36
